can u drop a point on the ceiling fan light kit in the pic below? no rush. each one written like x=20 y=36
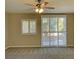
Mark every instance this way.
x=39 y=10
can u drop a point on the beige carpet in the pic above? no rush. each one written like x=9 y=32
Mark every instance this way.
x=39 y=53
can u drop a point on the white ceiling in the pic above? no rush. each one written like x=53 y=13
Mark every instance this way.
x=18 y=6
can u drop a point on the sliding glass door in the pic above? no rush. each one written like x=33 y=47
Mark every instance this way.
x=53 y=31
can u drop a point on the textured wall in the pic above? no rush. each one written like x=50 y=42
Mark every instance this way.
x=15 y=37
x=70 y=27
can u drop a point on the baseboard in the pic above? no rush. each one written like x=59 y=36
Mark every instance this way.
x=6 y=47
x=70 y=46
x=22 y=46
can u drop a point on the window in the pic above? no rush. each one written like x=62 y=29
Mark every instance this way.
x=32 y=26
x=53 y=30
x=28 y=26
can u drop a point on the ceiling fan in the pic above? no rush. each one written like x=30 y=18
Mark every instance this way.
x=40 y=6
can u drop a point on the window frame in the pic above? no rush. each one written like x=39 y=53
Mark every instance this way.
x=29 y=32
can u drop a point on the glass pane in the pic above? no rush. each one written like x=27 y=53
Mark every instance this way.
x=45 y=39
x=62 y=39
x=53 y=24
x=25 y=27
x=54 y=39
x=62 y=24
x=45 y=24
x=32 y=26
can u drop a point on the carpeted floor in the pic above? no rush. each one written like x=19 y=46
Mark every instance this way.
x=39 y=53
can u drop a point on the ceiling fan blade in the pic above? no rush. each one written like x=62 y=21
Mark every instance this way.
x=45 y=3
x=49 y=7
x=29 y=4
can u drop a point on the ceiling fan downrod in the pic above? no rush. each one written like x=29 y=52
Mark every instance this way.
x=39 y=1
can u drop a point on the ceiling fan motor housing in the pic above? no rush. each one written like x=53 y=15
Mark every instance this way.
x=38 y=5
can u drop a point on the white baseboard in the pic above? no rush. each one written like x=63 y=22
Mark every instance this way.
x=70 y=46
x=23 y=46
x=30 y=46
x=6 y=47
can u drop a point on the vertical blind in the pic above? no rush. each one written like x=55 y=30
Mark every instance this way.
x=53 y=31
